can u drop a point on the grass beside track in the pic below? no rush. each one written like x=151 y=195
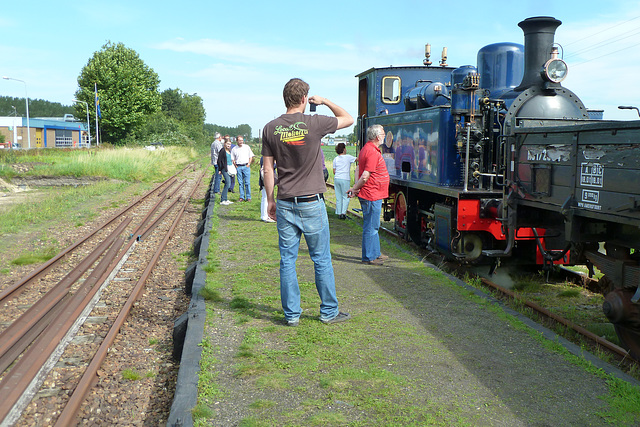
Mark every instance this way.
x=125 y=164
x=126 y=172
x=372 y=370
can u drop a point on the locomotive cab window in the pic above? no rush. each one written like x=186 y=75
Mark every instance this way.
x=391 y=89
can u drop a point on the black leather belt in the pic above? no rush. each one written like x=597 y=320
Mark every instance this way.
x=243 y=164
x=303 y=199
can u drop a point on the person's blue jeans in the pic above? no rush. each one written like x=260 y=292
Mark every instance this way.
x=244 y=181
x=310 y=219
x=342 y=200
x=371 y=224
x=225 y=189
x=216 y=181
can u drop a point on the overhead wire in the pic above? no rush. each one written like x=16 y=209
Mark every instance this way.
x=602 y=31
x=604 y=43
x=606 y=54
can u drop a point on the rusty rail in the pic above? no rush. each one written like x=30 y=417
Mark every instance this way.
x=69 y=414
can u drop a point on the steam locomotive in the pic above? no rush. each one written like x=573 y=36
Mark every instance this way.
x=500 y=163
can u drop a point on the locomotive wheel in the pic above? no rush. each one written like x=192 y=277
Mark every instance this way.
x=625 y=316
x=400 y=213
x=470 y=244
x=629 y=340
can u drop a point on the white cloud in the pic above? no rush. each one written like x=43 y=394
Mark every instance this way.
x=260 y=55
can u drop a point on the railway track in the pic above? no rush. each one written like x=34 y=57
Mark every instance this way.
x=544 y=315
x=60 y=322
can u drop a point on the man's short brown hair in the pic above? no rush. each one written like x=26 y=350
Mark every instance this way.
x=294 y=91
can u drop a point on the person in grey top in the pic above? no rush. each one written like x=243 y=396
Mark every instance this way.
x=216 y=146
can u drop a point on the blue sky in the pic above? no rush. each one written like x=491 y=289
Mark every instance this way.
x=237 y=55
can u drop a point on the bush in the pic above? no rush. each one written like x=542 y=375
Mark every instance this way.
x=158 y=127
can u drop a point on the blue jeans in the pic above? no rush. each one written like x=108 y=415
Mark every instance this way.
x=244 y=181
x=225 y=175
x=216 y=181
x=371 y=224
x=310 y=219
x=342 y=200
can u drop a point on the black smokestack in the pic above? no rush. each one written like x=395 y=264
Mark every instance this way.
x=538 y=40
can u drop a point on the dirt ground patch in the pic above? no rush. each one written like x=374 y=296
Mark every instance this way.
x=22 y=189
x=54 y=181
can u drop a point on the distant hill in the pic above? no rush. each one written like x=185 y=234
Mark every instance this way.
x=37 y=108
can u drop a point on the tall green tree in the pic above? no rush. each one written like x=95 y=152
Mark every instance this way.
x=183 y=107
x=127 y=89
x=243 y=129
x=193 y=112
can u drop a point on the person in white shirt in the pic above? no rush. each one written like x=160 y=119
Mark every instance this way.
x=342 y=179
x=264 y=215
x=242 y=157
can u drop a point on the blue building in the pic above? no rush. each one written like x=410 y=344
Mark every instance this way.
x=45 y=132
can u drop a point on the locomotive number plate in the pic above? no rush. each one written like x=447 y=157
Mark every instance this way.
x=590 y=200
x=591 y=174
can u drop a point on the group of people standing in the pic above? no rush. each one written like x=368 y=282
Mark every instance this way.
x=292 y=142
x=230 y=161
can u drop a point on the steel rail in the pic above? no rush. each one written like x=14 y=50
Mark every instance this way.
x=157 y=221
x=14 y=289
x=16 y=380
x=612 y=347
x=69 y=413
x=182 y=184
x=17 y=336
x=569 y=324
x=19 y=378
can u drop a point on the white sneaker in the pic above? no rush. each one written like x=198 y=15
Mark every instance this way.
x=268 y=220
x=226 y=202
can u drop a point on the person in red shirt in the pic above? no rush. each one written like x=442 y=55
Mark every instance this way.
x=371 y=188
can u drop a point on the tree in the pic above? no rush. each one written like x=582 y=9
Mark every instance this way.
x=183 y=107
x=127 y=90
x=193 y=110
x=244 y=129
x=172 y=103
x=10 y=106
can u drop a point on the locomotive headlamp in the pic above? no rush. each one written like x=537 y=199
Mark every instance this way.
x=555 y=70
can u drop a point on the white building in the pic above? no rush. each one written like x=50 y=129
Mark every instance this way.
x=334 y=140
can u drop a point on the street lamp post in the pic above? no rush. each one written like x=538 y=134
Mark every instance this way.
x=86 y=105
x=27 y=102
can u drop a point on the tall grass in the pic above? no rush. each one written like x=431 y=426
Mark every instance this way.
x=123 y=164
